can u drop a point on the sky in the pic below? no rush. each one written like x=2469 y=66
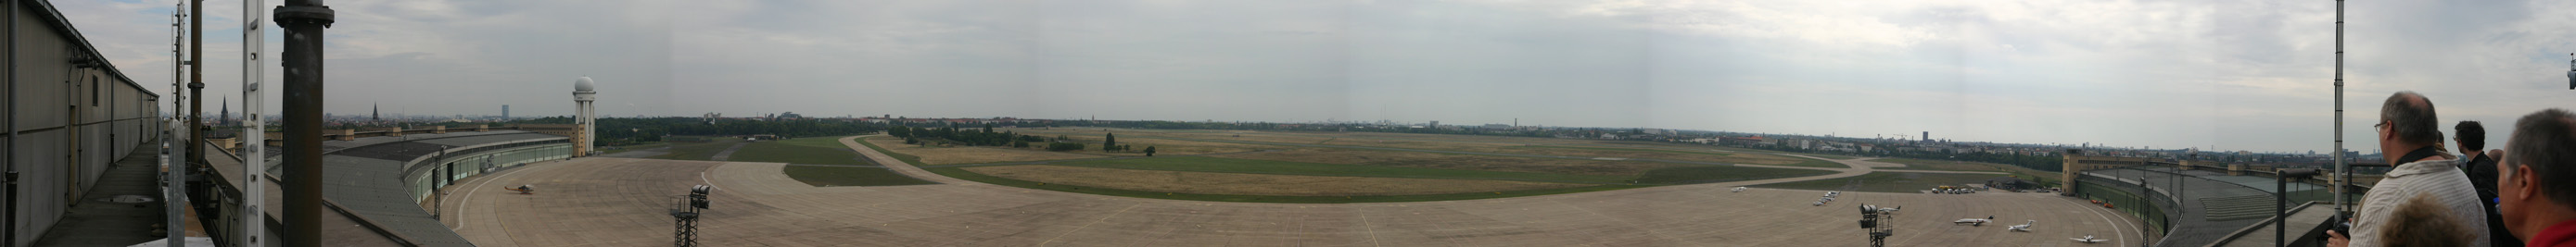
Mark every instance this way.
x=2216 y=75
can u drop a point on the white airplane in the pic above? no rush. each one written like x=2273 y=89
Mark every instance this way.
x=1972 y=221
x=1890 y=210
x=1820 y=203
x=1739 y=189
x=2024 y=227
x=2089 y=239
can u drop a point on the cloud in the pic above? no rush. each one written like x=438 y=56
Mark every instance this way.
x=2235 y=74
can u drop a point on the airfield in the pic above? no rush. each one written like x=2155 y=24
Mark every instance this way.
x=602 y=201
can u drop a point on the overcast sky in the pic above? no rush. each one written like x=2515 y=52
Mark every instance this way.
x=2236 y=75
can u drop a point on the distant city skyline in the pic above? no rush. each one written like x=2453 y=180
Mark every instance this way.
x=2238 y=75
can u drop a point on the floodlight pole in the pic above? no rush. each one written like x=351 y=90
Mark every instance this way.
x=2343 y=170
x=254 y=148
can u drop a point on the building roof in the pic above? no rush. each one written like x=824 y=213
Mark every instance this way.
x=364 y=176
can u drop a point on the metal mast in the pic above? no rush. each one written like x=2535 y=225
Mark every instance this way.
x=254 y=133
x=2343 y=170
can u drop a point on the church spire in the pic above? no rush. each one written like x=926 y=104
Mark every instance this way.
x=375 y=112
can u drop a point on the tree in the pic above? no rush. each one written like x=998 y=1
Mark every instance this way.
x=1063 y=146
x=1025 y=144
x=1149 y=151
x=1109 y=143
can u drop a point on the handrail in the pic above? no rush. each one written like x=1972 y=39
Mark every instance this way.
x=2239 y=233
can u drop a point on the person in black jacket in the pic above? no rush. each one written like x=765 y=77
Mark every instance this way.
x=2481 y=169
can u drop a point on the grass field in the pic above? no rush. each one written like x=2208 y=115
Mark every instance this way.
x=937 y=155
x=1827 y=156
x=633 y=147
x=1343 y=175
x=828 y=176
x=1456 y=161
x=698 y=150
x=1630 y=149
x=2043 y=177
x=810 y=150
x=1228 y=165
x=961 y=173
x=1714 y=174
x=1897 y=182
x=1253 y=184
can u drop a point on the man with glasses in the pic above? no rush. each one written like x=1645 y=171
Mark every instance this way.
x=2410 y=136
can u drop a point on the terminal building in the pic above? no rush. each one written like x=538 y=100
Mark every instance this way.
x=386 y=182
x=84 y=145
x=70 y=116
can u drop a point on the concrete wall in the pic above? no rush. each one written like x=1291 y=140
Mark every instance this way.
x=71 y=121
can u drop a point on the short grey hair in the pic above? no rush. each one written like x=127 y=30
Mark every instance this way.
x=2541 y=142
x=2414 y=123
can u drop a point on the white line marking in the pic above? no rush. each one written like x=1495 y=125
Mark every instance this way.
x=702 y=177
x=2115 y=224
x=1370 y=229
x=478 y=187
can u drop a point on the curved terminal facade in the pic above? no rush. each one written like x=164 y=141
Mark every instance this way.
x=385 y=181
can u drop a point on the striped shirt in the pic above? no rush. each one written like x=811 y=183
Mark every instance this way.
x=2441 y=178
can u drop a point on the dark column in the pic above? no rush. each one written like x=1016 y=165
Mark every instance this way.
x=304 y=21
x=196 y=82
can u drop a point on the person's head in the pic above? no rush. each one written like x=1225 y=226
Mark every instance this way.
x=2422 y=221
x=2471 y=136
x=2538 y=173
x=2406 y=123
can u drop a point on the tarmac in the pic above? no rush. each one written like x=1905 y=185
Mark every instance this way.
x=601 y=201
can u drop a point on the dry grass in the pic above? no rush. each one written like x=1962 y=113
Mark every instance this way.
x=969 y=155
x=1252 y=184
x=1456 y=161
x=1469 y=143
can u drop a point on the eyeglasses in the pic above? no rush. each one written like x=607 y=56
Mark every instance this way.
x=2382 y=124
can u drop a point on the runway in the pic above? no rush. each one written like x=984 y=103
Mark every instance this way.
x=623 y=202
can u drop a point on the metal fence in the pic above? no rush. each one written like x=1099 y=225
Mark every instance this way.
x=2130 y=198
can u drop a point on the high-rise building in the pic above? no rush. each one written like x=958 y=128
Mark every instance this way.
x=505 y=111
x=1927 y=136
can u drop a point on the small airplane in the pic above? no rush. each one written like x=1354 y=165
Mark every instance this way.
x=1820 y=203
x=523 y=190
x=2024 y=227
x=1739 y=189
x=1890 y=210
x=2088 y=239
x=1974 y=221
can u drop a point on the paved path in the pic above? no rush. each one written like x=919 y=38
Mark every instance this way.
x=95 y=220
x=621 y=202
x=727 y=154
